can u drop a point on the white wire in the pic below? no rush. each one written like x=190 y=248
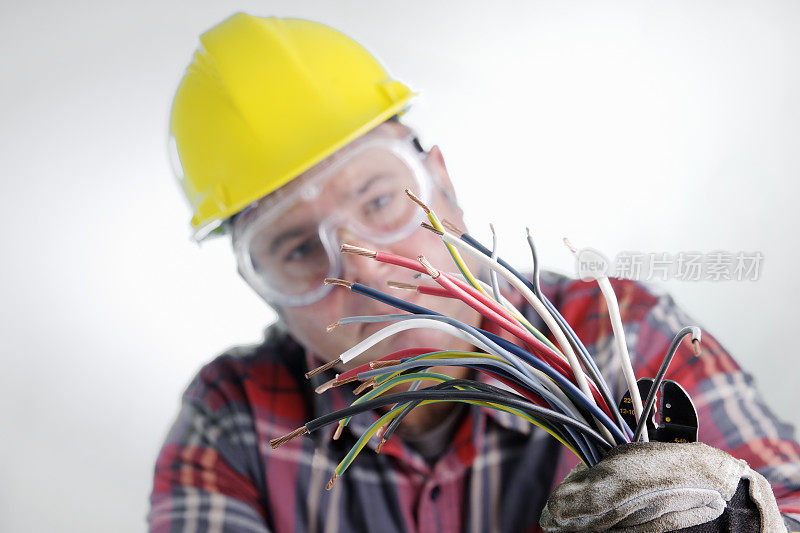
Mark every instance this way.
x=410 y=323
x=623 y=356
x=537 y=304
x=397 y=327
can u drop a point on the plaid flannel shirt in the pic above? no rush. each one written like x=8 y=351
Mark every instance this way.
x=217 y=472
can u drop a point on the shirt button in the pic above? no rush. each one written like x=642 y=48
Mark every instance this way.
x=435 y=492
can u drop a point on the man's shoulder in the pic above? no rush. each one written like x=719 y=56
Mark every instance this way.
x=268 y=374
x=568 y=292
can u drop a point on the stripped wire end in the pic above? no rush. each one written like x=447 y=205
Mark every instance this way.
x=418 y=202
x=570 y=246
x=381 y=440
x=696 y=336
x=428 y=267
x=382 y=432
x=401 y=285
x=338 y=432
x=358 y=250
x=340 y=382
x=452 y=228
x=325 y=386
x=528 y=231
x=323 y=368
x=331 y=327
x=329 y=486
x=379 y=447
x=364 y=386
x=698 y=351
x=374 y=365
x=337 y=281
x=280 y=441
x=432 y=229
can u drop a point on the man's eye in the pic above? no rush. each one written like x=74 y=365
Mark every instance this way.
x=303 y=250
x=379 y=202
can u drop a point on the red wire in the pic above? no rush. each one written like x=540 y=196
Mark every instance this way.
x=542 y=350
x=506 y=322
x=486 y=306
x=434 y=291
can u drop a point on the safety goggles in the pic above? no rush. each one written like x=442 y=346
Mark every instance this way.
x=288 y=243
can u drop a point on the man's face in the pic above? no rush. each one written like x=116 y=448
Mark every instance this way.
x=308 y=323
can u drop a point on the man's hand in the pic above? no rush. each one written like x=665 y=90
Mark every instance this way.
x=657 y=487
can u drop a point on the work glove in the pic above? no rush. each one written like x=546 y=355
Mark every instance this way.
x=656 y=487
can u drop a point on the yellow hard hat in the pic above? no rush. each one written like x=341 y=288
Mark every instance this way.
x=265 y=99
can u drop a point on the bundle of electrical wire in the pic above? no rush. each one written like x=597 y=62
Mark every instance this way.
x=546 y=383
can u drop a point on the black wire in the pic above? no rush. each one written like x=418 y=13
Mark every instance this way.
x=488 y=388
x=567 y=386
x=569 y=434
x=662 y=371
x=405 y=397
x=479 y=364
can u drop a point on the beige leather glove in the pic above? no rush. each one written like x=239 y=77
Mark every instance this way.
x=657 y=487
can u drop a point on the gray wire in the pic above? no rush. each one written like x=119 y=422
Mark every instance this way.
x=577 y=345
x=492 y=273
x=534 y=383
x=550 y=398
x=651 y=396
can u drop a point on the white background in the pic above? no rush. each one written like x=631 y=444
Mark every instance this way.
x=653 y=126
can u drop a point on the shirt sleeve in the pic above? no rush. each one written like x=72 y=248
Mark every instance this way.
x=206 y=474
x=731 y=412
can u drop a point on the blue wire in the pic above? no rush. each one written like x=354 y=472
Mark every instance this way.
x=588 y=359
x=568 y=387
x=586 y=445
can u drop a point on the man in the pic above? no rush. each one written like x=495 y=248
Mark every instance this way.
x=286 y=139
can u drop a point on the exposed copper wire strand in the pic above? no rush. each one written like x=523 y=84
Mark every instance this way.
x=325 y=386
x=401 y=285
x=432 y=229
x=329 y=486
x=374 y=365
x=452 y=228
x=418 y=201
x=364 y=386
x=337 y=281
x=380 y=446
x=698 y=351
x=323 y=368
x=432 y=272
x=280 y=441
x=358 y=250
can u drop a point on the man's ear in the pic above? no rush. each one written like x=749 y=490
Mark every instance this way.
x=441 y=175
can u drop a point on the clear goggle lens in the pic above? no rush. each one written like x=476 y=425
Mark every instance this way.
x=289 y=247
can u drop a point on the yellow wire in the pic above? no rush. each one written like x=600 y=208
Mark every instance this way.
x=456 y=255
x=474 y=282
x=433 y=355
x=391 y=415
x=432 y=376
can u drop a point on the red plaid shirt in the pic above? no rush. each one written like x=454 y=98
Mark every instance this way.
x=217 y=472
